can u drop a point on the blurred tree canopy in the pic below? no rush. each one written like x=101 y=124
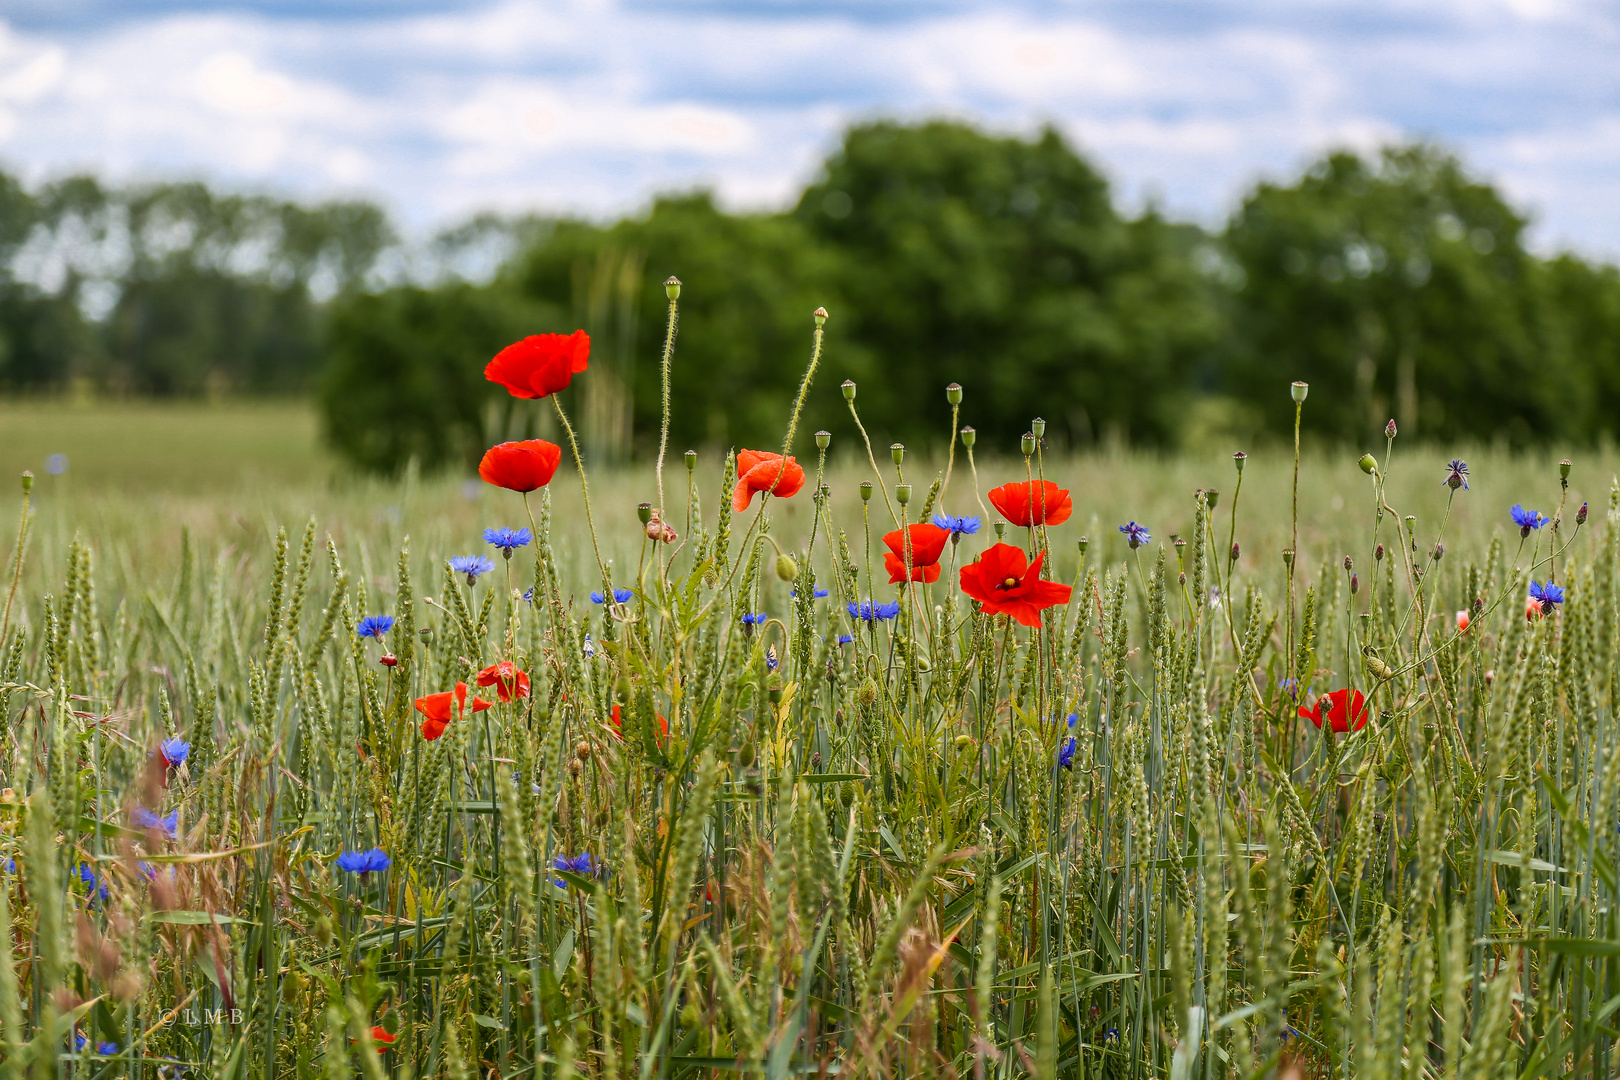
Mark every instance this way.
x=1397 y=286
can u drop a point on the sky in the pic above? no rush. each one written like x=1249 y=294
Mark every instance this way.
x=440 y=110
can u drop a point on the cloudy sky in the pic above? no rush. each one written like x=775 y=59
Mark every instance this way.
x=440 y=109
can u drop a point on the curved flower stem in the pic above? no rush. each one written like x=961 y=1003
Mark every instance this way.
x=669 y=355
x=584 y=487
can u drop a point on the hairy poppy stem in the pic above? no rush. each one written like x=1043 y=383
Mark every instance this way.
x=673 y=289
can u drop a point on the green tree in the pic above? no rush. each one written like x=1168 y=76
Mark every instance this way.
x=1398 y=287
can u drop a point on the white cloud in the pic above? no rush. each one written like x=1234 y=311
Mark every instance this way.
x=592 y=105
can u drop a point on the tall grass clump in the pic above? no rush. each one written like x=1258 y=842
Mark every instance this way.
x=899 y=791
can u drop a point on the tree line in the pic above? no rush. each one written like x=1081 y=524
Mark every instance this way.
x=1398 y=285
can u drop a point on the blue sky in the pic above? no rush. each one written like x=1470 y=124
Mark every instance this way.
x=590 y=106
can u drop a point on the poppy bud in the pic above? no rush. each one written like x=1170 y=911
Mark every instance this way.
x=1368 y=463
x=644 y=512
x=1236 y=551
x=1389 y=429
x=1299 y=390
x=968 y=437
x=1238 y=460
x=745 y=756
x=866 y=491
x=1027 y=444
x=1563 y=469
x=1580 y=515
x=786 y=568
x=868 y=692
x=1084 y=543
x=1348 y=565
x=953 y=393
x=820 y=315
x=902 y=493
x=898 y=452
x=1211 y=497
x=1288 y=556
x=691 y=461
x=291 y=984
x=672 y=287
x=849 y=389
x=1378 y=553
x=27 y=481
x=823 y=440
x=1355 y=584
x=387 y=659
x=1038 y=426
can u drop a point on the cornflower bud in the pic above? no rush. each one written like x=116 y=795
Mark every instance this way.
x=1027 y=444
x=866 y=491
x=644 y=511
x=849 y=389
x=1236 y=551
x=1479 y=605
x=898 y=452
x=1378 y=553
x=1438 y=553
x=672 y=287
x=969 y=436
x=1389 y=429
x=1038 y=427
x=1299 y=390
x=1355 y=584
x=902 y=493
x=1238 y=459
x=823 y=440
x=820 y=315
x=691 y=460
x=1368 y=463
x=953 y=393
x=1348 y=565
x=1580 y=515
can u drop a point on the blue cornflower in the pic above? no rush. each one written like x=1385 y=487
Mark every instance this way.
x=620 y=596
x=754 y=618
x=145 y=819
x=873 y=612
x=581 y=864
x=1074 y=718
x=957 y=524
x=1135 y=535
x=771 y=661
x=472 y=566
x=106 y=1049
x=590 y=648
x=1065 y=757
x=819 y=593
x=374 y=626
x=528 y=596
x=11 y=866
x=364 y=862
x=92 y=879
x=1526 y=519
x=1547 y=595
x=508 y=540
x=844 y=639
x=1456 y=475
x=1111 y=1035
x=175 y=751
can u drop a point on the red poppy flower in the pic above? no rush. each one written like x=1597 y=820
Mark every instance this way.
x=440 y=709
x=1033 y=502
x=1344 y=710
x=1005 y=582
x=540 y=364
x=618 y=727
x=927 y=545
x=507 y=680
x=761 y=470
x=520 y=466
x=380 y=1034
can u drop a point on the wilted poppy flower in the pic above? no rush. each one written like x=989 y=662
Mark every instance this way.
x=520 y=466
x=1342 y=710
x=1032 y=502
x=761 y=470
x=507 y=680
x=540 y=364
x=440 y=709
x=1005 y=582
x=927 y=545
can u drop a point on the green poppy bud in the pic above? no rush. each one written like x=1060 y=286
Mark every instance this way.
x=786 y=568
x=745 y=756
x=868 y=692
x=775 y=694
x=672 y=287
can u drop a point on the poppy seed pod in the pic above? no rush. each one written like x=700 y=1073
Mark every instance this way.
x=848 y=387
x=672 y=287
x=27 y=481
x=820 y=315
x=1238 y=460
x=1368 y=463
x=1083 y=543
x=902 y=493
x=866 y=491
x=1038 y=427
x=644 y=512
x=1288 y=556
x=897 y=451
x=953 y=393
x=969 y=436
x=1563 y=471
x=426 y=632
x=691 y=461
x=1001 y=529
x=1299 y=390
x=1027 y=444
x=823 y=440
x=775 y=694
x=786 y=568
x=1211 y=497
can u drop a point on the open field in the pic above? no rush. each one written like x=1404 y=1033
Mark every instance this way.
x=953 y=844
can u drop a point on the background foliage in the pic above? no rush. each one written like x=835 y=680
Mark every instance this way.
x=1399 y=284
